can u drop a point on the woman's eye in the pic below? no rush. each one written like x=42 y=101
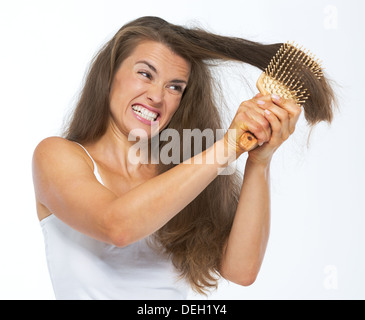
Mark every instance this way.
x=145 y=74
x=176 y=88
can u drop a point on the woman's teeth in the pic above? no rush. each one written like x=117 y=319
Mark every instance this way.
x=144 y=113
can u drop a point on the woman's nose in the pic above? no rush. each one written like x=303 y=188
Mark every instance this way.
x=155 y=93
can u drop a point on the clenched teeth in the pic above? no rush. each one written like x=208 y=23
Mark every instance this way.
x=144 y=113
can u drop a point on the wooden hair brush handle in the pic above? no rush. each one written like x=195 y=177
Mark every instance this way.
x=248 y=141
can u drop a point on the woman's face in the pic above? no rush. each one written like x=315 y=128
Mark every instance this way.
x=147 y=88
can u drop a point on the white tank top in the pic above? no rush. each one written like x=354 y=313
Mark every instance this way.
x=83 y=268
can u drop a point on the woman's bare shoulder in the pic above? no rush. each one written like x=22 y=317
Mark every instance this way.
x=60 y=147
x=58 y=152
x=57 y=163
x=54 y=143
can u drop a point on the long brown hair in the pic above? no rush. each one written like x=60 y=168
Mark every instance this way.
x=196 y=236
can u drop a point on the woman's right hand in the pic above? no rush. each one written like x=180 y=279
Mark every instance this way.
x=249 y=117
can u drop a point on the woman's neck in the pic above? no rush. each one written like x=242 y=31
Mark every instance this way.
x=115 y=151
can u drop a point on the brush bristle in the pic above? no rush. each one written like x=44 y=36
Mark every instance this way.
x=284 y=76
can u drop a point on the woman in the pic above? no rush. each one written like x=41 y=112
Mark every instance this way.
x=121 y=230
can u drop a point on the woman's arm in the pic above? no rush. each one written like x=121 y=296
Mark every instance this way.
x=148 y=207
x=64 y=183
x=247 y=241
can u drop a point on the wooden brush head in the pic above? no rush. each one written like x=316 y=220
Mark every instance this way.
x=290 y=74
x=284 y=75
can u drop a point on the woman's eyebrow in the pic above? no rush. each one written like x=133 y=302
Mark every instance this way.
x=148 y=64
x=179 y=81
x=155 y=71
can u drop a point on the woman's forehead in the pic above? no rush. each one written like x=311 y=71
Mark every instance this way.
x=161 y=58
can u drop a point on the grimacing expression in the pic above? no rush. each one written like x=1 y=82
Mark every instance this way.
x=147 y=88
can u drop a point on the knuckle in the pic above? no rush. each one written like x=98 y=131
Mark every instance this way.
x=292 y=128
x=245 y=104
x=242 y=105
x=243 y=109
x=266 y=124
x=284 y=100
x=262 y=121
x=240 y=117
x=266 y=98
x=285 y=115
x=256 y=127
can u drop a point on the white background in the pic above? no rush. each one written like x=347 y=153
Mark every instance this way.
x=316 y=248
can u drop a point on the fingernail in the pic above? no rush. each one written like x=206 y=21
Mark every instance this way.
x=267 y=112
x=260 y=144
x=260 y=102
x=275 y=97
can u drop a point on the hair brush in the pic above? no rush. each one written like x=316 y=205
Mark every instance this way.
x=284 y=77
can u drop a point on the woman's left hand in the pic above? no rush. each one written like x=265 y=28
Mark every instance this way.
x=283 y=115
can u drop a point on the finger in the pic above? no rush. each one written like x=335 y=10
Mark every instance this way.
x=291 y=107
x=249 y=104
x=283 y=116
x=261 y=99
x=256 y=123
x=252 y=112
x=262 y=122
x=275 y=124
x=258 y=131
x=287 y=119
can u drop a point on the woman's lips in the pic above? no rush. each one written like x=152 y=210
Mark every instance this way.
x=141 y=112
x=148 y=107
